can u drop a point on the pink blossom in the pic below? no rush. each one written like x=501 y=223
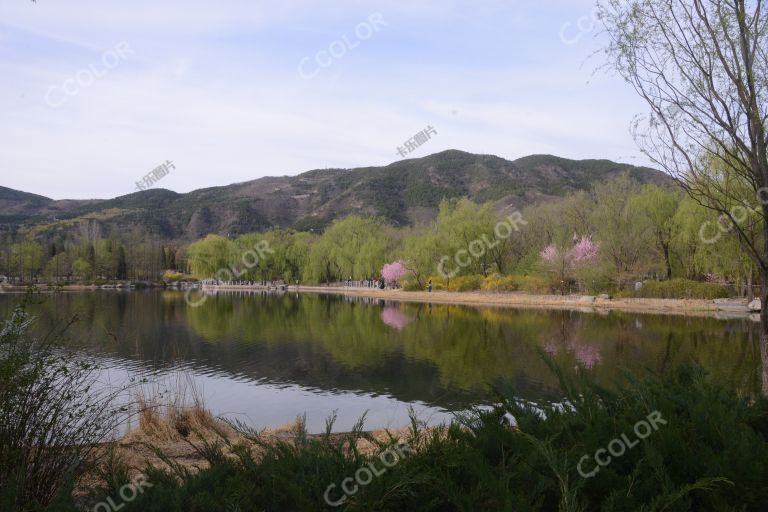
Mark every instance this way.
x=549 y=253
x=393 y=272
x=393 y=317
x=587 y=355
x=584 y=250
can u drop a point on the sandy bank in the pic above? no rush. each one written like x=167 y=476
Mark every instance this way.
x=696 y=307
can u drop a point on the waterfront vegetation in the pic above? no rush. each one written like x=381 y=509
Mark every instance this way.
x=636 y=232
x=631 y=233
x=708 y=452
x=52 y=413
x=523 y=454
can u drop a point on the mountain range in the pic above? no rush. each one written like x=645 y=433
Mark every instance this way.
x=405 y=192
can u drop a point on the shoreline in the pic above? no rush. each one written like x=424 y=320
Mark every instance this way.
x=730 y=309
x=686 y=307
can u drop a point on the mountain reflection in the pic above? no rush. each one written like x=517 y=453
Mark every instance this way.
x=440 y=354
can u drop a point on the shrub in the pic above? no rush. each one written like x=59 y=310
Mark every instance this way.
x=51 y=417
x=707 y=450
x=438 y=282
x=410 y=284
x=171 y=277
x=465 y=283
x=499 y=283
x=533 y=284
x=679 y=289
x=456 y=284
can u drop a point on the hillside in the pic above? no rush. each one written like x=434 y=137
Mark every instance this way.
x=405 y=192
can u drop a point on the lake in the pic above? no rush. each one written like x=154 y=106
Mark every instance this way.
x=266 y=358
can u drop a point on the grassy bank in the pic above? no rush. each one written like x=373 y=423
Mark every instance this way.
x=674 y=443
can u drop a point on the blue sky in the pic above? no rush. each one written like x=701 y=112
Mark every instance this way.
x=234 y=90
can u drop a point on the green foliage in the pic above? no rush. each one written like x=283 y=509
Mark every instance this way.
x=207 y=256
x=458 y=283
x=679 y=289
x=659 y=207
x=499 y=283
x=27 y=257
x=534 y=284
x=82 y=269
x=355 y=247
x=642 y=231
x=466 y=283
x=172 y=277
x=51 y=416
x=706 y=450
x=410 y=284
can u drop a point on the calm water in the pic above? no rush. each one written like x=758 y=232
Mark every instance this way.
x=267 y=358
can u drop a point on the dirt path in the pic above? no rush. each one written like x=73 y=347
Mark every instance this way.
x=695 y=307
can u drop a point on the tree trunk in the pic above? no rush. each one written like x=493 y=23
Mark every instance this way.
x=667 y=262
x=764 y=328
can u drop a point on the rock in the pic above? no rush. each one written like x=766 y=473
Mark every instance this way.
x=604 y=296
x=755 y=305
x=638 y=285
x=733 y=306
x=587 y=299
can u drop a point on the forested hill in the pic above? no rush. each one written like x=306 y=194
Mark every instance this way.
x=405 y=192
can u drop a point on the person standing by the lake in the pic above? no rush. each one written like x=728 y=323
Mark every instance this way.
x=429 y=286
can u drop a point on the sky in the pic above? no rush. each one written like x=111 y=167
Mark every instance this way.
x=96 y=94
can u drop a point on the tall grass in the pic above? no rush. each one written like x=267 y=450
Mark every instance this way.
x=52 y=415
x=169 y=407
x=711 y=454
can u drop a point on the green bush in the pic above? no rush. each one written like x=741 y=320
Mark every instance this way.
x=439 y=282
x=465 y=283
x=171 y=277
x=534 y=284
x=707 y=450
x=410 y=284
x=678 y=289
x=499 y=283
x=456 y=284
x=52 y=416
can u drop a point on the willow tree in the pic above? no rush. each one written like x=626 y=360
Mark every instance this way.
x=701 y=67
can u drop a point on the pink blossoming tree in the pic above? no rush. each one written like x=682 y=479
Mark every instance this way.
x=393 y=272
x=565 y=262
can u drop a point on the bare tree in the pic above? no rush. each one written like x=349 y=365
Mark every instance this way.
x=701 y=66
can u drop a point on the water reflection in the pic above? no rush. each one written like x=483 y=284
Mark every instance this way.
x=441 y=356
x=393 y=317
